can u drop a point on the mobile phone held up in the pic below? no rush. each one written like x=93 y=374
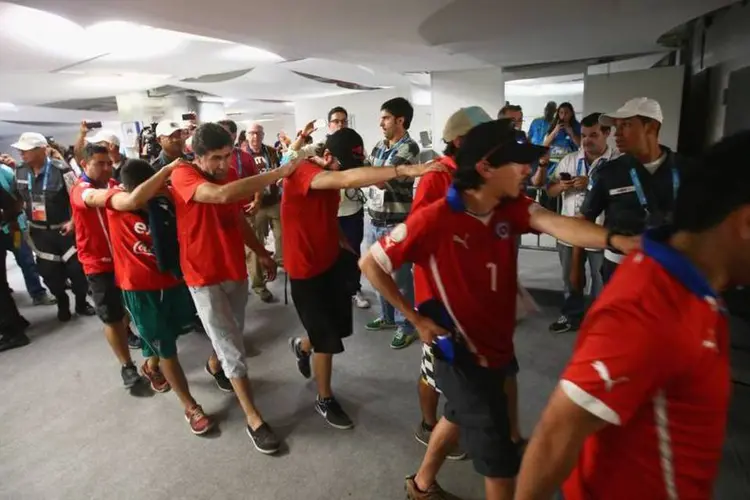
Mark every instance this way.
x=93 y=125
x=565 y=176
x=189 y=116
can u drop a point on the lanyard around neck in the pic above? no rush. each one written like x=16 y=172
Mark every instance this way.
x=44 y=182
x=385 y=155
x=642 y=194
x=239 y=162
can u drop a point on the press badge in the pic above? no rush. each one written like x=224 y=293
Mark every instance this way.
x=38 y=209
x=376 y=198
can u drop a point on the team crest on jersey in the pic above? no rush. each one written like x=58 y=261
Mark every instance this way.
x=502 y=230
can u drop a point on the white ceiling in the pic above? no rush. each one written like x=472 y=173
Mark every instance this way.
x=365 y=42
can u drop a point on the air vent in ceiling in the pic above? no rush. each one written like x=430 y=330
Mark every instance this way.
x=103 y=104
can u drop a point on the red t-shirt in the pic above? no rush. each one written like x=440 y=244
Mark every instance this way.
x=310 y=221
x=243 y=163
x=92 y=233
x=652 y=360
x=471 y=267
x=431 y=188
x=212 y=248
x=136 y=268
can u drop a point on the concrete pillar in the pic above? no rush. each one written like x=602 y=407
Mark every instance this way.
x=452 y=90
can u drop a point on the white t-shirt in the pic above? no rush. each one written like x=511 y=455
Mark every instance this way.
x=575 y=165
x=654 y=165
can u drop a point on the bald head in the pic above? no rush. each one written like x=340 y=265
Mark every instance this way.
x=255 y=135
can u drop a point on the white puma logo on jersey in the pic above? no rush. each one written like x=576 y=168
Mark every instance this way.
x=464 y=241
x=603 y=372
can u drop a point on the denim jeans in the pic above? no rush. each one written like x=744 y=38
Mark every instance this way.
x=404 y=281
x=25 y=260
x=574 y=304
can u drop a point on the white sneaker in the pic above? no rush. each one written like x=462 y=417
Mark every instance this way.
x=360 y=301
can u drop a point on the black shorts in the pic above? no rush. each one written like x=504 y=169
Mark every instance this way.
x=476 y=402
x=107 y=297
x=324 y=306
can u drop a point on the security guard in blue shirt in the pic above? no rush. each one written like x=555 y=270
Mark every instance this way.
x=43 y=184
x=637 y=190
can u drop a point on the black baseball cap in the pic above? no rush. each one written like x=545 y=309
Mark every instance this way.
x=499 y=143
x=347 y=146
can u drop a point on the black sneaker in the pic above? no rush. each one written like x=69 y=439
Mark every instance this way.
x=130 y=375
x=562 y=325
x=84 y=309
x=63 y=313
x=222 y=382
x=13 y=340
x=264 y=440
x=134 y=342
x=331 y=410
x=303 y=358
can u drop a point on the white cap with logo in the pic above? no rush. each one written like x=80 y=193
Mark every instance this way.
x=167 y=128
x=29 y=141
x=640 y=106
x=104 y=136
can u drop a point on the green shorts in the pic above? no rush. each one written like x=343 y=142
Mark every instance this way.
x=160 y=317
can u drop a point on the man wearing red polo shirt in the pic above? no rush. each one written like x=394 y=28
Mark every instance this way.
x=95 y=255
x=315 y=262
x=212 y=233
x=641 y=409
x=431 y=188
x=467 y=241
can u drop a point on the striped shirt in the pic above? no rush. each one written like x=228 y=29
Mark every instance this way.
x=393 y=203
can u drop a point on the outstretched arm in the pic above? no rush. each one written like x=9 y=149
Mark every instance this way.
x=127 y=202
x=242 y=189
x=578 y=232
x=368 y=176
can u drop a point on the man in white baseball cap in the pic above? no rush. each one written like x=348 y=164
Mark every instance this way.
x=105 y=138
x=171 y=137
x=638 y=189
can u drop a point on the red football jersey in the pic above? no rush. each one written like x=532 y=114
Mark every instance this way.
x=651 y=359
x=92 y=233
x=212 y=248
x=136 y=268
x=471 y=263
x=310 y=221
x=431 y=188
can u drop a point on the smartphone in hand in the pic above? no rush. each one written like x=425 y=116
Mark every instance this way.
x=565 y=176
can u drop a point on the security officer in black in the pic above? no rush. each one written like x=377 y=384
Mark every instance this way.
x=637 y=190
x=43 y=185
x=171 y=137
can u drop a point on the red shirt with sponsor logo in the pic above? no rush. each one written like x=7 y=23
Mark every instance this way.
x=92 y=233
x=136 y=268
x=431 y=188
x=310 y=221
x=471 y=267
x=652 y=360
x=212 y=248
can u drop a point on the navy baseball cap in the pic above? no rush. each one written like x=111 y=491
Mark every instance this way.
x=499 y=143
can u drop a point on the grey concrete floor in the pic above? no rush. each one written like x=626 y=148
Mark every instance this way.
x=69 y=431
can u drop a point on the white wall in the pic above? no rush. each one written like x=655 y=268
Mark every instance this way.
x=363 y=109
x=609 y=92
x=452 y=90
